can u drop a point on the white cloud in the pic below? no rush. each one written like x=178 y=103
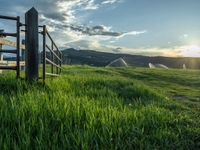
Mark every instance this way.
x=91 y=5
x=110 y=1
x=61 y=15
x=80 y=40
x=185 y=35
x=95 y=43
x=64 y=22
x=132 y=33
x=67 y=8
x=100 y=30
x=112 y=41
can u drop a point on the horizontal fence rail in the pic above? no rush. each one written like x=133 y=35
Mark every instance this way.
x=8 y=67
x=8 y=17
x=13 y=44
x=55 y=55
x=11 y=63
x=10 y=43
x=30 y=48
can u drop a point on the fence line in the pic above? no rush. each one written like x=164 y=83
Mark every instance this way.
x=17 y=44
x=31 y=47
x=55 y=59
x=10 y=43
x=4 y=63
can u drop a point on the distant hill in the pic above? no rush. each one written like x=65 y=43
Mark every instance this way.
x=94 y=58
x=100 y=59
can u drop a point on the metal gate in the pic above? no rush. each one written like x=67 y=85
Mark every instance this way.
x=32 y=47
x=55 y=59
x=17 y=45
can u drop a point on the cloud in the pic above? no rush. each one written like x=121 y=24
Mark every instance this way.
x=132 y=33
x=101 y=30
x=64 y=20
x=95 y=44
x=64 y=15
x=91 y=5
x=110 y=1
x=185 y=35
x=190 y=50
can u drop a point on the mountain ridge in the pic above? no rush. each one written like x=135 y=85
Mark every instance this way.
x=101 y=59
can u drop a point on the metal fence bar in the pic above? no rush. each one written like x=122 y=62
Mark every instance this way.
x=57 y=49
x=44 y=53
x=51 y=74
x=55 y=59
x=57 y=62
x=8 y=17
x=52 y=63
x=8 y=51
x=22 y=68
x=8 y=67
x=60 y=62
x=52 y=58
x=53 y=52
x=1 y=55
x=18 y=46
x=8 y=34
x=10 y=43
x=52 y=41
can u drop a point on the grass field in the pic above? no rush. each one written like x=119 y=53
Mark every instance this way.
x=102 y=108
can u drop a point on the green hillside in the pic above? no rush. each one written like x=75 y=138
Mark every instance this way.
x=102 y=108
x=102 y=59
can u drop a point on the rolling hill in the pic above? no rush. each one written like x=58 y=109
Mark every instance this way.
x=101 y=59
x=102 y=108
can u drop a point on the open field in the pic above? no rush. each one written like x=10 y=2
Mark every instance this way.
x=102 y=108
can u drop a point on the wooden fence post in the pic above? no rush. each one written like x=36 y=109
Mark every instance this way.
x=31 y=21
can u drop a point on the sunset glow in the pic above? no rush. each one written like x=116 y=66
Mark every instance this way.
x=190 y=51
x=168 y=28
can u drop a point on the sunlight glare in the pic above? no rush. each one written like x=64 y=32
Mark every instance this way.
x=190 y=51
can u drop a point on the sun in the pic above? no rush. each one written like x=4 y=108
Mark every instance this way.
x=190 y=51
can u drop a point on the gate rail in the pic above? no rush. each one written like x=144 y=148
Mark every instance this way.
x=31 y=45
x=55 y=59
x=17 y=50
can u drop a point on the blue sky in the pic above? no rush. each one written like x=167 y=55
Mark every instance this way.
x=147 y=27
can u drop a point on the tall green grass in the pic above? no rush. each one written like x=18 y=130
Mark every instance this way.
x=93 y=108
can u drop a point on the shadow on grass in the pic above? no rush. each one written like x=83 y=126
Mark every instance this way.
x=12 y=86
x=168 y=77
x=128 y=91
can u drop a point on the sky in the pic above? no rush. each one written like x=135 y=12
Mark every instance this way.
x=145 y=27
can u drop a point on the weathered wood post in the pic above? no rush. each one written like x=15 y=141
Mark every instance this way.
x=31 y=38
